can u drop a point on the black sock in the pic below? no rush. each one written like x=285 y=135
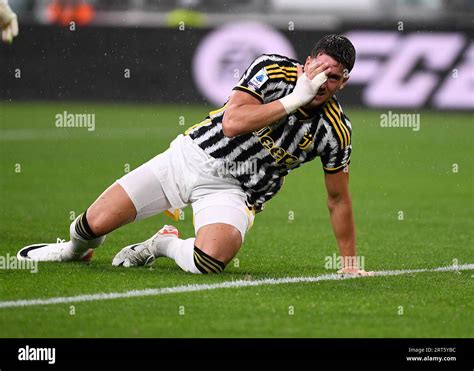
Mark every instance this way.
x=83 y=229
x=205 y=263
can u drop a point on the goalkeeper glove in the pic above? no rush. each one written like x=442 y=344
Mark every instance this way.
x=8 y=22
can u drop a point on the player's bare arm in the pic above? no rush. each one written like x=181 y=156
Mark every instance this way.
x=246 y=114
x=342 y=219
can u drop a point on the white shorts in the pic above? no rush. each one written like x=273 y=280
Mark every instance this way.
x=184 y=174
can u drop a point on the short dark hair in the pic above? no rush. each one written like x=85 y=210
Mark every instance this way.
x=338 y=47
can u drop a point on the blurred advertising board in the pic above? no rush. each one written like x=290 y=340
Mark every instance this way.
x=409 y=69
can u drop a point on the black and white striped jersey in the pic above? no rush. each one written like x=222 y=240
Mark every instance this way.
x=260 y=160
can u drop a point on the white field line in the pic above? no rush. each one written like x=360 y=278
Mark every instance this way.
x=222 y=285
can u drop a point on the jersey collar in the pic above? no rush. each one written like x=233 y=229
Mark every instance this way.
x=305 y=114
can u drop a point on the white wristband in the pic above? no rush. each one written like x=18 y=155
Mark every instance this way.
x=291 y=103
x=304 y=91
x=318 y=80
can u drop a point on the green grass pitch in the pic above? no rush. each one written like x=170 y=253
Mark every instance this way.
x=47 y=172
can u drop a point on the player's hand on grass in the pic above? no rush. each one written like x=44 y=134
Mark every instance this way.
x=8 y=23
x=307 y=86
x=355 y=272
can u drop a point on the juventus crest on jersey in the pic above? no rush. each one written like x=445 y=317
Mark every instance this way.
x=281 y=146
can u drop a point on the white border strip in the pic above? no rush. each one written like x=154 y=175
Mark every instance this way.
x=222 y=285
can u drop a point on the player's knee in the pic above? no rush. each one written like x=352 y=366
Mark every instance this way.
x=207 y=264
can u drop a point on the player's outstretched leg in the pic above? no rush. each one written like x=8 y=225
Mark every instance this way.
x=110 y=211
x=214 y=246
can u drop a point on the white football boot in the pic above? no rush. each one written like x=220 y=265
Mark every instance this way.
x=57 y=252
x=146 y=252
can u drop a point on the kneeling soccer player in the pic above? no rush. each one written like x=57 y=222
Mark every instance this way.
x=278 y=117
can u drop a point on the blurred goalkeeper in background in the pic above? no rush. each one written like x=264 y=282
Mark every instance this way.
x=8 y=22
x=280 y=115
